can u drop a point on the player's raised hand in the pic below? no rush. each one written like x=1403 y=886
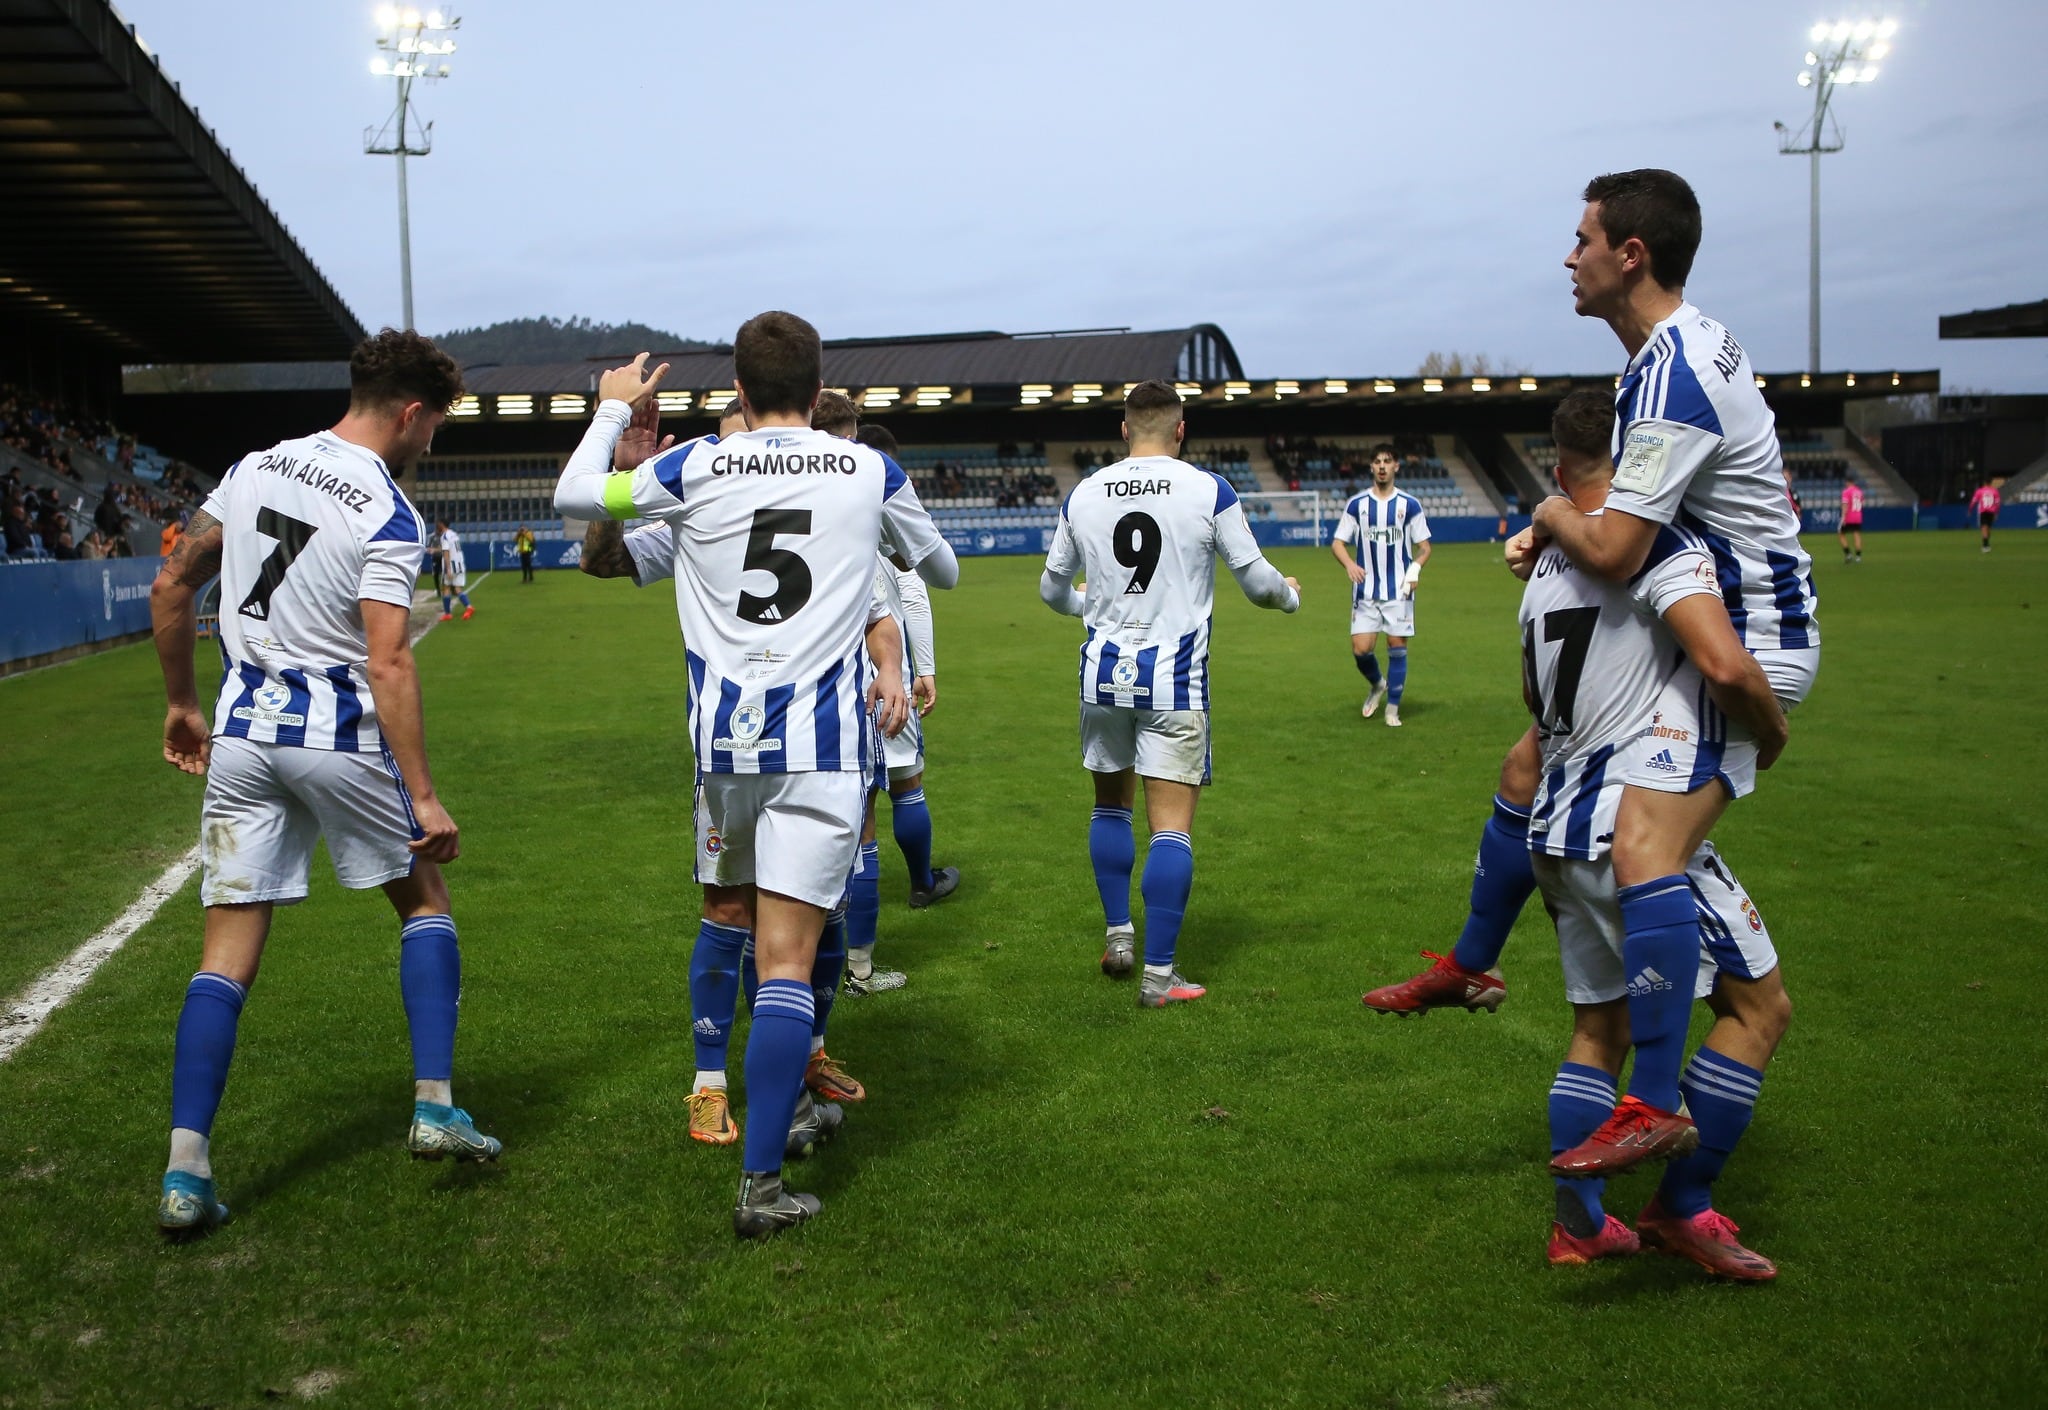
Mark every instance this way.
x=186 y=739
x=440 y=840
x=924 y=693
x=639 y=441
x=1520 y=552
x=632 y=384
x=889 y=704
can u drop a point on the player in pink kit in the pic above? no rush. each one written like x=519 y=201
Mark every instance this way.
x=1986 y=501
x=1852 y=521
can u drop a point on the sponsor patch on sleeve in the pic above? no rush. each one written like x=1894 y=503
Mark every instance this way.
x=1643 y=456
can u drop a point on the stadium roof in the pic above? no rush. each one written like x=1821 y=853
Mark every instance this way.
x=2012 y=321
x=127 y=222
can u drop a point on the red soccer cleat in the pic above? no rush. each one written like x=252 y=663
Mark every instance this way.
x=468 y=612
x=1445 y=984
x=1615 y=1240
x=445 y=617
x=1636 y=1132
x=1707 y=1238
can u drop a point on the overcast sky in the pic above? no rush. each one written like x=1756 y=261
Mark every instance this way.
x=1342 y=187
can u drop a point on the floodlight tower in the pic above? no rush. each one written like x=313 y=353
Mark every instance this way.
x=410 y=46
x=1843 y=52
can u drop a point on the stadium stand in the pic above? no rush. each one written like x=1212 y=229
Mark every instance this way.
x=73 y=466
x=1818 y=464
x=1341 y=466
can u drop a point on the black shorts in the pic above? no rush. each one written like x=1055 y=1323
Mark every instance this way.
x=1985 y=521
x=1852 y=526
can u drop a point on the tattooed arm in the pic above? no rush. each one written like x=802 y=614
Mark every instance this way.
x=193 y=563
x=604 y=550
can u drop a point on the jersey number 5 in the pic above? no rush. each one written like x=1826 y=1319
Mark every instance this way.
x=292 y=536
x=792 y=575
x=1574 y=627
x=1136 y=543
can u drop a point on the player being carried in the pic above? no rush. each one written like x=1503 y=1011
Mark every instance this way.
x=775 y=532
x=1695 y=447
x=317 y=734
x=1596 y=656
x=1147 y=533
x=1393 y=543
x=454 y=574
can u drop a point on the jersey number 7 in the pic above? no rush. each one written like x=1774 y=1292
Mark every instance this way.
x=292 y=536
x=1572 y=626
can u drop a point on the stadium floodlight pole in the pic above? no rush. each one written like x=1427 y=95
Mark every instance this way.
x=1844 y=51
x=410 y=46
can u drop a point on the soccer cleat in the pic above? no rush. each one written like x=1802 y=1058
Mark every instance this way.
x=711 y=1117
x=765 y=1208
x=1707 y=1238
x=1118 y=959
x=1445 y=984
x=1636 y=1132
x=813 y=1124
x=879 y=981
x=1615 y=1240
x=1373 y=698
x=1394 y=716
x=1157 y=991
x=445 y=617
x=439 y=1131
x=468 y=612
x=824 y=1075
x=188 y=1205
x=945 y=881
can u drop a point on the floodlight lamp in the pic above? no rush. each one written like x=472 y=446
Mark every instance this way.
x=1818 y=34
x=1805 y=79
x=412 y=17
x=435 y=20
x=1887 y=28
x=1879 y=50
x=387 y=17
x=1864 y=29
x=442 y=72
x=1869 y=74
x=1811 y=57
x=1842 y=30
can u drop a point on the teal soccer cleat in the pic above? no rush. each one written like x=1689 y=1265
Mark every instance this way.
x=188 y=1205
x=439 y=1131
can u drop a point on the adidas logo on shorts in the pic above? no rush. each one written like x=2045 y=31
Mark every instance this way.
x=1663 y=761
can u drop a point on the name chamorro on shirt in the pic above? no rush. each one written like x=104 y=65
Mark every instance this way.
x=745 y=460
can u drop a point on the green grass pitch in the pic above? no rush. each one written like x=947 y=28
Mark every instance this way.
x=1051 y=1197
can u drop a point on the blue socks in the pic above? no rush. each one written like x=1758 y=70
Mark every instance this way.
x=1397 y=674
x=1368 y=666
x=826 y=969
x=750 y=978
x=1113 y=851
x=1660 y=953
x=430 y=979
x=206 y=1045
x=910 y=819
x=465 y=599
x=778 y=1048
x=715 y=990
x=1721 y=1093
x=1580 y=1099
x=1169 y=877
x=1501 y=882
x=864 y=898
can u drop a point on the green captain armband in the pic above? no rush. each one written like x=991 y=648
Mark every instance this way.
x=618 y=496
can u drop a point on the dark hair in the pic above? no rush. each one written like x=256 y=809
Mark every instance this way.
x=1584 y=423
x=398 y=367
x=733 y=408
x=1656 y=207
x=879 y=438
x=1385 y=448
x=1153 y=407
x=835 y=413
x=778 y=360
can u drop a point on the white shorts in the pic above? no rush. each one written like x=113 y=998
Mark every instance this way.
x=1168 y=744
x=1580 y=898
x=793 y=834
x=267 y=804
x=904 y=754
x=456 y=578
x=1690 y=743
x=1396 y=618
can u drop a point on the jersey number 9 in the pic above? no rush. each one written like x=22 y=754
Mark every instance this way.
x=1136 y=543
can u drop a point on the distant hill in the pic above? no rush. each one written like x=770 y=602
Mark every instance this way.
x=522 y=340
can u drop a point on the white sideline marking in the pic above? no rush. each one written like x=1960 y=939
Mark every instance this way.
x=26 y=1016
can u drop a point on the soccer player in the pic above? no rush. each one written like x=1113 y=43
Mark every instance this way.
x=1852 y=520
x=1393 y=538
x=721 y=959
x=1595 y=656
x=775 y=533
x=1985 y=501
x=1147 y=533
x=317 y=734
x=1694 y=446
x=454 y=571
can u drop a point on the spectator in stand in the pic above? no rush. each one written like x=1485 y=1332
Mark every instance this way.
x=108 y=518
x=174 y=531
x=64 y=550
x=20 y=533
x=95 y=546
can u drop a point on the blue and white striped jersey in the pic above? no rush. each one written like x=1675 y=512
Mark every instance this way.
x=1695 y=445
x=310 y=528
x=1595 y=656
x=774 y=539
x=1146 y=533
x=1385 y=532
